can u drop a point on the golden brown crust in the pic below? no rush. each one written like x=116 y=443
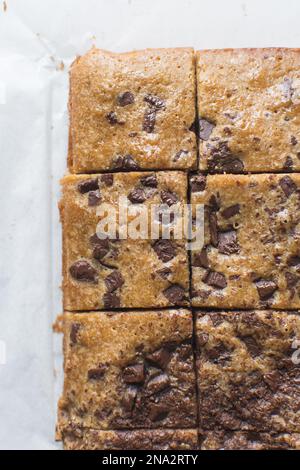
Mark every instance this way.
x=151 y=122
x=252 y=241
x=160 y=439
x=138 y=262
x=248 y=376
x=129 y=370
x=249 y=103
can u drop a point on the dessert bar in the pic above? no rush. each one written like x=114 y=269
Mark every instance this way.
x=115 y=272
x=130 y=370
x=249 y=110
x=248 y=371
x=133 y=111
x=251 y=252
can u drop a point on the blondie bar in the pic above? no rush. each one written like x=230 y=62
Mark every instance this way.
x=122 y=272
x=128 y=370
x=251 y=252
x=133 y=111
x=249 y=110
x=248 y=371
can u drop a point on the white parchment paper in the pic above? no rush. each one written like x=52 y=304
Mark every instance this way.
x=38 y=41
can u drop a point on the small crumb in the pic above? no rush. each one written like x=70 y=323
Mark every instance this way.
x=4 y=6
x=58 y=324
x=60 y=66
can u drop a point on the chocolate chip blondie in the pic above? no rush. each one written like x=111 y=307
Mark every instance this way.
x=115 y=272
x=154 y=439
x=133 y=111
x=248 y=371
x=249 y=110
x=251 y=252
x=128 y=370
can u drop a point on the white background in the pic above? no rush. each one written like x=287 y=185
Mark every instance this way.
x=36 y=36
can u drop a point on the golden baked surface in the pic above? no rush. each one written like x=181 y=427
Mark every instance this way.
x=249 y=110
x=144 y=439
x=248 y=378
x=128 y=370
x=251 y=254
x=140 y=104
x=121 y=273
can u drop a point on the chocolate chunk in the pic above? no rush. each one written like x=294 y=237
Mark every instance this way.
x=223 y=161
x=205 y=129
x=287 y=185
x=213 y=228
x=202 y=339
x=231 y=211
x=234 y=165
x=84 y=272
x=154 y=101
x=179 y=155
x=252 y=346
x=288 y=164
x=291 y=279
x=175 y=294
x=165 y=250
x=94 y=198
x=98 y=373
x=198 y=183
x=294 y=261
x=111 y=300
x=137 y=196
x=227 y=130
x=126 y=98
x=200 y=260
x=169 y=198
x=294 y=141
x=219 y=354
x=158 y=412
x=160 y=358
x=113 y=119
x=88 y=185
x=149 y=181
x=100 y=251
x=272 y=379
x=215 y=279
x=107 y=179
x=164 y=273
x=214 y=203
x=125 y=163
x=228 y=243
x=75 y=327
x=265 y=288
x=114 y=281
x=129 y=398
x=149 y=120
x=158 y=383
x=95 y=240
x=134 y=374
